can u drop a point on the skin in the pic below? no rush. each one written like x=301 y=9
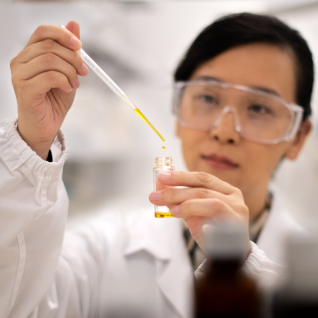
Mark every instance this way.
x=254 y=65
x=259 y=65
x=45 y=79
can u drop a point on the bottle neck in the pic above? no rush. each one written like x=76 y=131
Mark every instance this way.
x=224 y=266
x=163 y=162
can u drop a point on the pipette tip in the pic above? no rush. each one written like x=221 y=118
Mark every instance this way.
x=140 y=114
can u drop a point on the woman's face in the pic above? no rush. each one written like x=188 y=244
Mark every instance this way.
x=222 y=151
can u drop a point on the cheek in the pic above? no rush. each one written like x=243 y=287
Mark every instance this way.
x=191 y=141
x=264 y=159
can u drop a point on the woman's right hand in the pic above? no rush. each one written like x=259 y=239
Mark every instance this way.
x=204 y=199
x=45 y=78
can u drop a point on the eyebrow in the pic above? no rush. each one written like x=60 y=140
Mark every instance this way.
x=259 y=88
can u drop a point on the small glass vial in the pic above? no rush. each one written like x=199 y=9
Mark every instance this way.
x=163 y=164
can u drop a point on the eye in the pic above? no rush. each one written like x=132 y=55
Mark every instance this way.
x=259 y=109
x=208 y=99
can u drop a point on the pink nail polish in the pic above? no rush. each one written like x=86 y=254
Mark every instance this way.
x=155 y=196
x=165 y=176
x=83 y=69
x=77 y=83
x=75 y=42
x=176 y=211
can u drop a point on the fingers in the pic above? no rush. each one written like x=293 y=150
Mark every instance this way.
x=199 y=201
x=49 y=62
x=49 y=46
x=50 y=49
x=175 y=196
x=74 y=27
x=211 y=208
x=160 y=186
x=57 y=34
x=47 y=80
x=203 y=189
x=196 y=179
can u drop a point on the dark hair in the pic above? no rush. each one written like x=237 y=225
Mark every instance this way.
x=244 y=28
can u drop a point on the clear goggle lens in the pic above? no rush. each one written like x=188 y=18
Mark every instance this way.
x=258 y=116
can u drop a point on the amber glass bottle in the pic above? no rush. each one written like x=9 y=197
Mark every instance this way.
x=226 y=291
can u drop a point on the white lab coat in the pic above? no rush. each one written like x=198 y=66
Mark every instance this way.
x=101 y=266
x=279 y=226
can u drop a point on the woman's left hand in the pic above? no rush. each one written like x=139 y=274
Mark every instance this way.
x=205 y=199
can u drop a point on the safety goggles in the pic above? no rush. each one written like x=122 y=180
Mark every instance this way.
x=258 y=116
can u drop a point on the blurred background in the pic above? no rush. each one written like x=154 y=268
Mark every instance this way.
x=139 y=44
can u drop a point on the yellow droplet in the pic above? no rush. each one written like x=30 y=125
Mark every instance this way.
x=163 y=147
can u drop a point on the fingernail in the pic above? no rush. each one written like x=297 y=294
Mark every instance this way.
x=155 y=196
x=176 y=210
x=75 y=42
x=70 y=88
x=165 y=176
x=84 y=69
x=77 y=83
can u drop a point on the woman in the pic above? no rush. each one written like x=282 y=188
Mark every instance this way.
x=235 y=102
x=43 y=278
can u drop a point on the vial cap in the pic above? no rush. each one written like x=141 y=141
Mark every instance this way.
x=226 y=239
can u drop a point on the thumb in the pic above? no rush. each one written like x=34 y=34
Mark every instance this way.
x=74 y=27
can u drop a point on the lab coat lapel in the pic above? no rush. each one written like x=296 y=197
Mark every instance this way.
x=280 y=225
x=162 y=238
x=178 y=270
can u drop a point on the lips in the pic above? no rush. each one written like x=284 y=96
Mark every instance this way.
x=219 y=162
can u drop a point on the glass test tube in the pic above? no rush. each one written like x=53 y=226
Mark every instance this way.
x=163 y=164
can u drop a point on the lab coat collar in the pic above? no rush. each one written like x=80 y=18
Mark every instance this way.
x=163 y=239
x=176 y=271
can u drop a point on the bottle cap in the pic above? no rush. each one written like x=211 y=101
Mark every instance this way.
x=226 y=239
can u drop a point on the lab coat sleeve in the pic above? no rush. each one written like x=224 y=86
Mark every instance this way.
x=257 y=266
x=265 y=272
x=33 y=212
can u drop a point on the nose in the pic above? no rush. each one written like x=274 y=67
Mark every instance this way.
x=224 y=129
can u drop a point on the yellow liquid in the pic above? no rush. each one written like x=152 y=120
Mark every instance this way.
x=139 y=113
x=163 y=147
x=163 y=215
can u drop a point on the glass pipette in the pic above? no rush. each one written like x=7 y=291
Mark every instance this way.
x=113 y=86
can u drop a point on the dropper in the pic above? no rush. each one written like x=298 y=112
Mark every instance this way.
x=113 y=86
